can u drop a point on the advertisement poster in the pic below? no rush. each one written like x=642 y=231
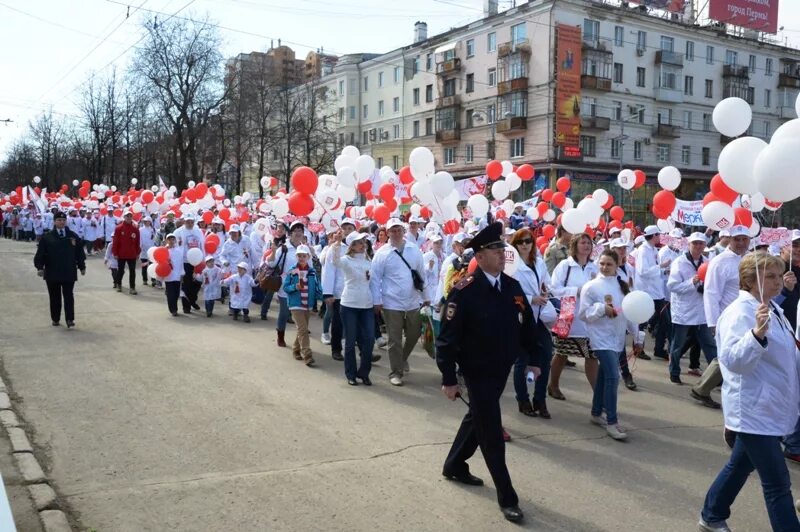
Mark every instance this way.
x=673 y=6
x=568 y=85
x=473 y=185
x=759 y=15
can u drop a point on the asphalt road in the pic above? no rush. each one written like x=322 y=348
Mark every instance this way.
x=149 y=422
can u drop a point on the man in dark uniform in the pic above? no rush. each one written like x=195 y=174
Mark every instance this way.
x=487 y=324
x=58 y=258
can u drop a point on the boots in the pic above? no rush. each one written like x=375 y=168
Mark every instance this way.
x=281 y=340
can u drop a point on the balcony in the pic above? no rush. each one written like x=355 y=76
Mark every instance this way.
x=664 y=131
x=788 y=81
x=507 y=48
x=448 y=135
x=735 y=71
x=512 y=85
x=597 y=123
x=787 y=112
x=664 y=94
x=664 y=57
x=596 y=83
x=448 y=67
x=747 y=94
x=448 y=101
x=510 y=125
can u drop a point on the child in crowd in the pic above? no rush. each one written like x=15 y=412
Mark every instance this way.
x=303 y=291
x=211 y=277
x=111 y=263
x=241 y=289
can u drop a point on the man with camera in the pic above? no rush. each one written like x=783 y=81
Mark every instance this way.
x=397 y=281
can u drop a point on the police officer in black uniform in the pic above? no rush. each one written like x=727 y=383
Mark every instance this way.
x=58 y=258
x=487 y=324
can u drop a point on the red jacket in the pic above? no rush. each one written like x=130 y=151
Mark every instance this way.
x=126 y=244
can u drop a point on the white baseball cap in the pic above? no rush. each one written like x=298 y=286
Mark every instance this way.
x=394 y=222
x=234 y=228
x=460 y=237
x=638 y=240
x=740 y=230
x=651 y=230
x=243 y=264
x=347 y=221
x=209 y=257
x=795 y=234
x=354 y=236
x=618 y=243
x=434 y=237
x=698 y=237
x=676 y=233
x=614 y=230
x=416 y=220
x=302 y=249
x=724 y=233
x=188 y=218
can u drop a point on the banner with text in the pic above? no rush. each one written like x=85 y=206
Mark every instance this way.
x=759 y=15
x=568 y=85
x=688 y=213
x=673 y=6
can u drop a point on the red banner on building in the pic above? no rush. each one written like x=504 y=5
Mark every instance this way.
x=759 y=15
x=568 y=85
x=673 y=6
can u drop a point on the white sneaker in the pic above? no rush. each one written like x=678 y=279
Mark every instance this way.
x=616 y=432
x=600 y=421
x=396 y=381
x=720 y=526
x=381 y=342
x=326 y=338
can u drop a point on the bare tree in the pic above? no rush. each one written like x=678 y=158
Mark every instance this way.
x=315 y=135
x=48 y=138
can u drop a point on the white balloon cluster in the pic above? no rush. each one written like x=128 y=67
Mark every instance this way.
x=432 y=189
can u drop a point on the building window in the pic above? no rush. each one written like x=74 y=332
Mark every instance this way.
x=429 y=126
x=588 y=146
x=429 y=62
x=518 y=147
x=588 y=106
x=709 y=55
x=415 y=96
x=686 y=155
x=752 y=64
x=469 y=153
x=616 y=110
x=341 y=87
x=365 y=112
x=731 y=57
x=591 y=31
x=668 y=79
x=492 y=75
x=397 y=75
x=667 y=44
x=706 y=157
x=415 y=128
x=491 y=113
x=341 y=114
x=688 y=85
x=619 y=36
x=637 y=150
x=641 y=74
x=366 y=83
x=450 y=87
x=768 y=67
x=641 y=41
x=518 y=33
x=640 y=111
x=709 y=88
x=687 y=120
x=396 y=104
x=470 y=83
x=617 y=72
x=767 y=129
x=616 y=144
x=662 y=153
x=690 y=50
x=706 y=122
x=767 y=98
x=470 y=47
x=449 y=156
x=470 y=115
x=428 y=93
x=491 y=42
x=380 y=108
x=380 y=79
x=352 y=112
x=396 y=131
x=365 y=138
x=395 y=162
x=352 y=138
x=415 y=66
x=379 y=162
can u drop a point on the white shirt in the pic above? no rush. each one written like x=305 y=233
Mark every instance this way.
x=189 y=238
x=333 y=279
x=108 y=224
x=390 y=278
x=605 y=333
x=666 y=253
x=176 y=261
x=686 y=303
x=721 y=285
x=355 y=269
x=648 y=271
x=146 y=239
x=236 y=252
x=760 y=391
x=568 y=276
x=432 y=274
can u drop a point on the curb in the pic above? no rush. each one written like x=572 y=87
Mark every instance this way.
x=44 y=497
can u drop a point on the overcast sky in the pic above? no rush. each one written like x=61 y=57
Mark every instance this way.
x=48 y=48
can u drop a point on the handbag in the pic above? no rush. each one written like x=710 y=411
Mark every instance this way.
x=566 y=310
x=269 y=279
x=419 y=283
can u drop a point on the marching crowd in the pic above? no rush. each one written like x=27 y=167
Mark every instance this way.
x=731 y=299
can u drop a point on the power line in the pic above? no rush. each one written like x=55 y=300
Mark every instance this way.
x=46 y=21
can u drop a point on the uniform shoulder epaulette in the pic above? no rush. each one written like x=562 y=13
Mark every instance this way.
x=466 y=281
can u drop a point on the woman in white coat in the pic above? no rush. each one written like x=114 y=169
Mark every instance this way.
x=760 y=395
x=601 y=310
x=568 y=278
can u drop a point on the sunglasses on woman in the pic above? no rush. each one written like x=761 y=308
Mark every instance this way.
x=525 y=241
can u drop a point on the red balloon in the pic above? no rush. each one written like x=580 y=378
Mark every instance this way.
x=563 y=184
x=391 y=204
x=161 y=256
x=547 y=194
x=743 y=216
x=541 y=241
x=451 y=227
x=190 y=195
x=425 y=212
x=615 y=224
x=473 y=264
x=163 y=269
x=300 y=204
x=365 y=186
x=663 y=204
x=500 y=214
x=211 y=244
x=525 y=172
x=386 y=192
x=225 y=214
x=208 y=216
x=548 y=231
x=708 y=198
x=617 y=213
x=86 y=184
x=589 y=231
x=78 y=205
x=381 y=214
x=607 y=205
x=305 y=181
x=405 y=175
x=118 y=213
x=723 y=191
x=542 y=207
x=641 y=177
x=368 y=210
x=494 y=170
x=83 y=192
x=543 y=248
x=701 y=271
x=200 y=267
x=201 y=189
x=148 y=197
x=558 y=199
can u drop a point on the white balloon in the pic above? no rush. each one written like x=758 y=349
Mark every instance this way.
x=754 y=203
x=669 y=178
x=351 y=152
x=626 y=179
x=568 y=204
x=507 y=168
x=137 y=208
x=775 y=169
x=190 y=184
x=732 y=116
x=513 y=181
x=247 y=196
x=113 y=187
x=508 y=206
x=638 y=306
x=549 y=215
x=365 y=166
x=151 y=271
x=532 y=213
x=37 y=180
x=573 y=221
x=422 y=193
x=737 y=161
x=442 y=184
x=416 y=208
x=75 y=182
x=513 y=260
x=327 y=181
x=421 y=161
x=280 y=207
x=346 y=193
x=666 y=225
x=346 y=176
x=600 y=197
x=327 y=197
x=265 y=181
x=265 y=207
x=154 y=188
x=150 y=251
x=500 y=190
x=237 y=199
x=194 y=256
x=478 y=204
x=718 y=215
x=755 y=228
x=342 y=161
x=134 y=181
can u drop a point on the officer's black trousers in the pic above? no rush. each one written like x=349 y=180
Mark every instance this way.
x=482 y=427
x=56 y=290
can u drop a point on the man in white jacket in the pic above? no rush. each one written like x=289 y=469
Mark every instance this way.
x=189 y=237
x=332 y=286
x=649 y=278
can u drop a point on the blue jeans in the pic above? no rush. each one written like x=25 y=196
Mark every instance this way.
x=326 y=321
x=283 y=314
x=358 y=325
x=605 y=391
x=266 y=303
x=679 y=333
x=762 y=453
x=209 y=305
x=792 y=441
x=545 y=347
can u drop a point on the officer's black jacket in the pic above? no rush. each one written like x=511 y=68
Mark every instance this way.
x=60 y=258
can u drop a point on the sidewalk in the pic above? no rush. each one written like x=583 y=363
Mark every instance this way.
x=25 y=515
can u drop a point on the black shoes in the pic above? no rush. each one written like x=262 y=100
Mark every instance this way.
x=208 y=314
x=643 y=356
x=375 y=357
x=570 y=364
x=661 y=357
x=56 y=323
x=366 y=381
x=465 y=478
x=526 y=409
x=235 y=317
x=175 y=314
x=263 y=317
x=246 y=319
x=512 y=513
x=352 y=382
x=195 y=306
x=540 y=407
x=705 y=400
x=337 y=356
x=675 y=379
x=70 y=324
x=629 y=384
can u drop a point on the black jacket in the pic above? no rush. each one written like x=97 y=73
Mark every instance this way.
x=60 y=258
x=791 y=298
x=485 y=331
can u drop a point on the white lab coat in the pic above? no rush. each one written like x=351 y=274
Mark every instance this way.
x=721 y=285
x=241 y=290
x=605 y=333
x=432 y=274
x=211 y=279
x=147 y=236
x=648 y=272
x=236 y=252
x=666 y=253
x=176 y=258
x=332 y=276
x=686 y=303
x=760 y=391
